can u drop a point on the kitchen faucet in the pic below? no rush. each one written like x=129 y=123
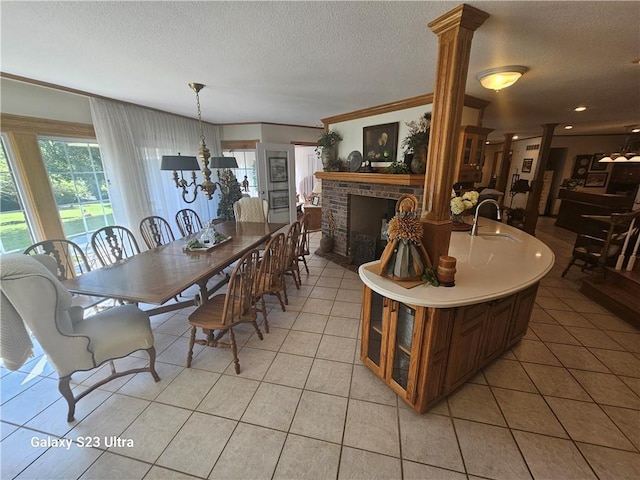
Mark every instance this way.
x=474 y=228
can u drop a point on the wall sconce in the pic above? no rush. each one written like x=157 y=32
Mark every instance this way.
x=501 y=77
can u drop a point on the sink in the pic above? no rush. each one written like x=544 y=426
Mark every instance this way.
x=499 y=237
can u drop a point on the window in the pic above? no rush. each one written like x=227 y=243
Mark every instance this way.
x=79 y=186
x=246 y=167
x=15 y=234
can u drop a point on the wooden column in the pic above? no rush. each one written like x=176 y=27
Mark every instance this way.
x=503 y=182
x=455 y=32
x=533 y=202
x=34 y=181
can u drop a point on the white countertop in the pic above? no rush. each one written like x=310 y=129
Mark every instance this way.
x=487 y=268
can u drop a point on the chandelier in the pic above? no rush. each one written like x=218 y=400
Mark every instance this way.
x=179 y=163
x=623 y=155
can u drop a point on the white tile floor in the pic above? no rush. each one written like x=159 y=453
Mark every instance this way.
x=564 y=403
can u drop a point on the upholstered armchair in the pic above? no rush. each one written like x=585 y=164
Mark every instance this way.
x=251 y=209
x=34 y=300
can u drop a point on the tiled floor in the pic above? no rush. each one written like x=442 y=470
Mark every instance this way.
x=564 y=403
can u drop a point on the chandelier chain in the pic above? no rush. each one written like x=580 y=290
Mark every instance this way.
x=199 y=117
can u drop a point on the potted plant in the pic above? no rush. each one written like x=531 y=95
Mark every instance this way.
x=334 y=164
x=326 y=148
x=327 y=241
x=416 y=142
x=397 y=168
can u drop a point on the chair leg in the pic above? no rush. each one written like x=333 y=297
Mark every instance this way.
x=573 y=260
x=277 y=294
x=65 y=390
x=306 y=267
x=264 y=314
x=152 y=363
x=192 y=340
x=234 y=350
x=257 y=328
x=284 y=289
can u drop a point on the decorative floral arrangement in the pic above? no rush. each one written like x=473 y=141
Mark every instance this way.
x=329 y=138
x=331 y=223
x=398 y=168
x=418 y=133
x=460 y=204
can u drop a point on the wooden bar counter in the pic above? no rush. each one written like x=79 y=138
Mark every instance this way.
x=576 y=203
x=426 y=341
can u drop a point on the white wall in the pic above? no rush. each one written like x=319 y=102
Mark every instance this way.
x=29 y=100
x=352 y=136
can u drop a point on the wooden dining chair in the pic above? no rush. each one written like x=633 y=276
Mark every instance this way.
x=70 y=262
x=224 y=311
x=303 y=242
x=290 y=253
x=113 y=244
x=156 y=231
x=270 y=277
x=70 y=259
x=188 y=222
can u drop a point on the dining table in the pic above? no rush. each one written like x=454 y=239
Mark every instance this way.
x=160 y=274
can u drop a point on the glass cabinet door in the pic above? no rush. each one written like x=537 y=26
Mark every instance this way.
x=374 y=346
x=403 y=344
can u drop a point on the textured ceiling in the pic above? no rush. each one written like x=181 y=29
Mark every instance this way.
x=298 y=62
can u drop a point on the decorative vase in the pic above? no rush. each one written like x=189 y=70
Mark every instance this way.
x=408 y=157
x=326 y=244
x=458 y=224
x=327 y=156
x=419 y=160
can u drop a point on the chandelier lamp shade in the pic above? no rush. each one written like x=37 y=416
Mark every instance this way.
x=501 y=77
x=622 y=156
x=178 y=163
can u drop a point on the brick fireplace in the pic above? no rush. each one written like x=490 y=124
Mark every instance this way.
x=339 y=191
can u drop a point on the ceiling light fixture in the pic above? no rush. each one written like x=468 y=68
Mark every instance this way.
x=568 y=127
x=580 y=108
x=515 y=137
x=501 y=77
x=175 y=163
x=622 y=156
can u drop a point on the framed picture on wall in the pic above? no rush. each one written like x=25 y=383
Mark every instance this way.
x=581 y=166
x=279 y=199
x=526 y=165
x=278 y=170
x=380 y=142
x=596 y=179
x=595 y=163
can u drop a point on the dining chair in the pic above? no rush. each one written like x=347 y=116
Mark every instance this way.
x=303 y=242
x=33 y=300
x=270 y=277
x=113 y=244
x=251 y=209
x=188 y=221
x=156 y=231
x=70 y=260
x=222 y=312
x=290 y=253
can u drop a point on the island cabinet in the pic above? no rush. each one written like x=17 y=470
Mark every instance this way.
x=425 y=353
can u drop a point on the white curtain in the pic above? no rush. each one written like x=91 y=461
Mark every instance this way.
x=132 y=142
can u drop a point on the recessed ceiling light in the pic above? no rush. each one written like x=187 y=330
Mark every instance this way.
x=515 y=137
x=568 y=127
x=635 y=130
x=487 y=142
x=580 y=108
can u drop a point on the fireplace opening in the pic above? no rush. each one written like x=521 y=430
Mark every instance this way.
x=366 y=216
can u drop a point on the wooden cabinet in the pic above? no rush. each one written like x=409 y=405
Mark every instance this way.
x=315 y=217
x=629 y=173
x=471 y=153
x=423 y=354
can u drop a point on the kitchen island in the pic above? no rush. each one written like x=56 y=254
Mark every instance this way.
x=426 y=341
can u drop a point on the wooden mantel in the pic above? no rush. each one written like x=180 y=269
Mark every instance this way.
x=380 y=178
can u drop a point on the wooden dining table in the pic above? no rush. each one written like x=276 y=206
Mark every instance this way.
x=159 y=274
